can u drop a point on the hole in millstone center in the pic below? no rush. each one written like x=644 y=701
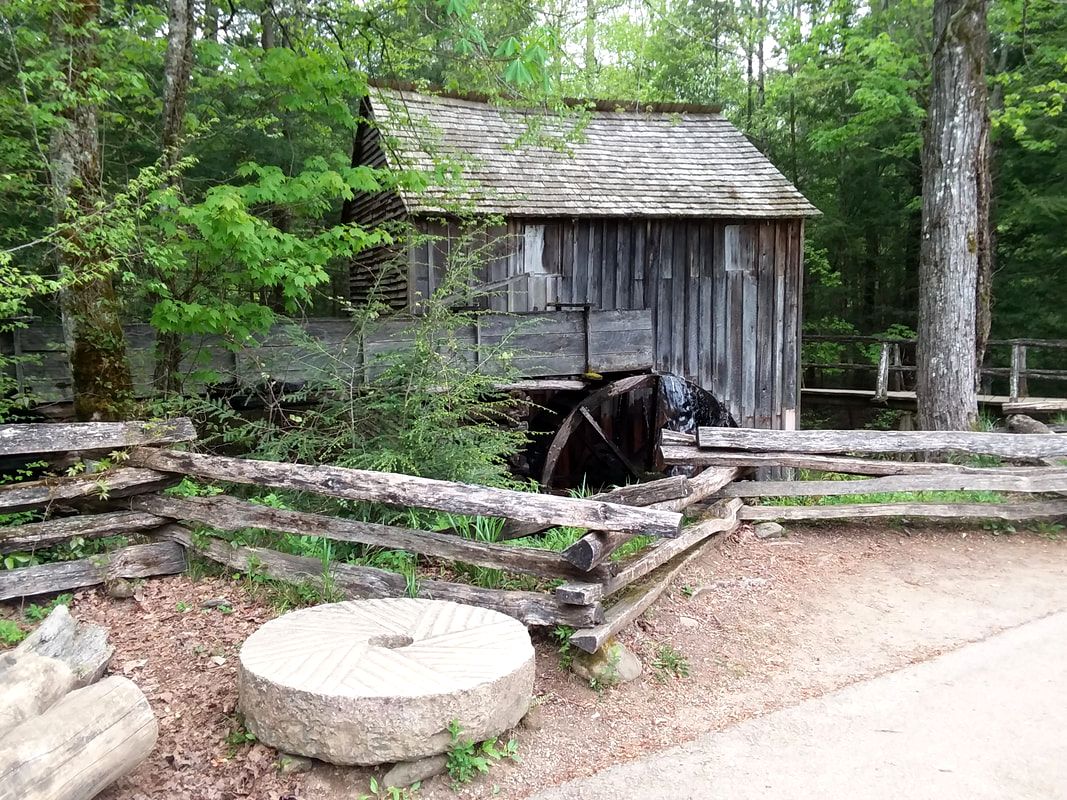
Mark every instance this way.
x=391 y=641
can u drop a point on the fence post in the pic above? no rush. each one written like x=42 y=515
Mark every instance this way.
x=881 y=390
x=895 y=360
x=1017 y=387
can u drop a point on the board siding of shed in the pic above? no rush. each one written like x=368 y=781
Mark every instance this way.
x=724 y=295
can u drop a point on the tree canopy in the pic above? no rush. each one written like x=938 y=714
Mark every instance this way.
x=225 y=160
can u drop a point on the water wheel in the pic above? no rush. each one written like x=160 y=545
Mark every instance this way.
x=610 y=436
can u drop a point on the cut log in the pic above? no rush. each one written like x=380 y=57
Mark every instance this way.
x=597 y=546
x=80 y=745
x=408 y=490
x=632 y=603
x=42 y=438
x=135 y=561
x=692 y=456
x=31 y=684
x=1004 y=445
x=532 y=608
x=993 y=480
x=1013 y=512
x=230 y=514
x=636 y=494
x=113 y=483
x=82 y=646
x=579 y=594
x=38 y=535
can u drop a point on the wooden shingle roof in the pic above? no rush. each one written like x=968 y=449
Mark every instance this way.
x=619 y=163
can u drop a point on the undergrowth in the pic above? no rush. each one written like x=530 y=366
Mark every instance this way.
x=468 y=759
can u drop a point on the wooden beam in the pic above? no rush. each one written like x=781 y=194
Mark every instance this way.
x=231 y=514
x=135 y=561
x=1014 y=512
x=614 y=448
x=1050 y=480
x=114 y=483
x=666 y=549
x=1035 y=406
x=680 y=454
x=531 y=608
x=635 y=494
x=632 y=603
x=41 y=438
x=597 y=546
x=38 y=535
x=408 y=490
x=1005 y=445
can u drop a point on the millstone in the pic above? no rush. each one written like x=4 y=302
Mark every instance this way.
x=378 y=681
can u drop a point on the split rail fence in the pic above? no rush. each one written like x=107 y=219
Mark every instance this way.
x=887 y=460
x=127 y=500
x=588 y=589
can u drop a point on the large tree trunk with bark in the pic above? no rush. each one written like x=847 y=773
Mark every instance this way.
x=96 y=342
x=955 y=218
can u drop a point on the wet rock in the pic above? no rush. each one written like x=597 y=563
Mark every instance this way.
x=769 y=530
x=406 y=773
x=611 y=665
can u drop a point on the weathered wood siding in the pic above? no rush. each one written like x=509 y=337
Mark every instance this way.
x=379 y=272
x=536 y=345
x=724 y=296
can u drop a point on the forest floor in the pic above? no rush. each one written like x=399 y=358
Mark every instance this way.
x=762 y=624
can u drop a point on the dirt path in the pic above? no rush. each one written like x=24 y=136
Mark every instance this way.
x=763 y=624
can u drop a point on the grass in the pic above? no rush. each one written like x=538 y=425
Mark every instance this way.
x=669 y=663
x=467 y=759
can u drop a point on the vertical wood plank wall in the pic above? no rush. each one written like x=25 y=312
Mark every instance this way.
x=725 y=296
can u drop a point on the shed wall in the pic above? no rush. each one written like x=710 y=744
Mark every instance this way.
x=724 y=295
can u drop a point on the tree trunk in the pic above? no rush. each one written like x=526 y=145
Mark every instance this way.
x=589 y=67
x=954 y=230
x=177 y=68
x=92 y=326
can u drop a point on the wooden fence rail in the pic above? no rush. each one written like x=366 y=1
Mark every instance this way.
x=126 y=501
x=827 y=451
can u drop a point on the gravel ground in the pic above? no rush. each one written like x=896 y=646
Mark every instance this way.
x=762 y=624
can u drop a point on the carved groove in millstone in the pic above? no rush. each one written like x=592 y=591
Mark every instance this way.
x=379 y=681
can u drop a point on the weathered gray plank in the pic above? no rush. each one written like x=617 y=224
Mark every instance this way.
x=1005 y=445
x=693 y=456
x=408 y=490
x=632 y=603
x=120 y=482
x=38 y=535
x=1051 y=509
x=532 y=608
x=230 y=514
x=63 y=437
x=990 y=480
x=663 y=551
x=135 y=561
x=597 y=546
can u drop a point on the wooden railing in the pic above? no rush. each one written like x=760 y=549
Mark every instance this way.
x=894 y=369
